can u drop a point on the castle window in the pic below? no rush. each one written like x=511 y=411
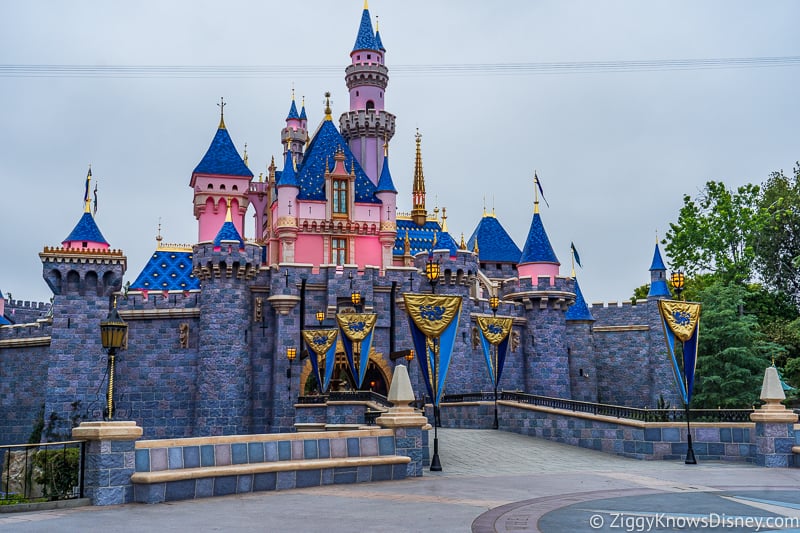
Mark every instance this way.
x=339 y=251
x=339 y=199
x=370 y=104
x=211 y=186
x=369 y=56
x=356 y=93
x=235 y=188
x=222 y=187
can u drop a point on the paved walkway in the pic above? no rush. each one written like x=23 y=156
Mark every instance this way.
x=492 y=481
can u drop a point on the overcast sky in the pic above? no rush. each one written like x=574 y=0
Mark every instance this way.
x=615 y=146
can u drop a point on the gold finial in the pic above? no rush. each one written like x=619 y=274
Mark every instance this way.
x=221 y=105
x=115 y=302
x=418 y=213
x=444 y=219
x=377 y=23
x=493 y=205
x=475 y=246
x=433 y=244
x=484 y=206
x=158 y=236
x=328 y=112
x=87 y=202
x=303 y=101
x=261 y=177
x=385 y=145
x=366 y=5
x=292 y=91
x=406 y=245
x=245 y=155
x=228 y=217
x=463 y=245
x=535 y=192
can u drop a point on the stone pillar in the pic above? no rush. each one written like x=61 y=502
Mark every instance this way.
x=774 y=425
x=110 y=460
x=409 y=426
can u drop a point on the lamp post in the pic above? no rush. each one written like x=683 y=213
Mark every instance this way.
x=432 y=270
x=320 y=317
x=112 y=334
x=494 y=303
x=291 y=354
x=678 y=280
x=355 y=299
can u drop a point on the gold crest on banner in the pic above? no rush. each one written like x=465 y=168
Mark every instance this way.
x=432 y=313
x=681 y=317
x=320 y=340
x=495 y=329
x=356 y=326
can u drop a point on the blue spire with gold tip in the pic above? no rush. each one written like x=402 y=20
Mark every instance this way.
x=537 y=246
x=579 y=310
x=86 y=229
x=658 y=281
x=222 y=158
x=293 y=115
x=378 y=41
x=385 y=183
x=365 y=40
x=303 y=110
x=289 y=175
x=494 y=243
x=228 y=232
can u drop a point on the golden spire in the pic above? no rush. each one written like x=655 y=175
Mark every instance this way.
x=475 y=247
x=261 y=177
x=245 y=156
x=366 y=5
x=221 y=105
x=328 y=111
x=385 y=145
x=406 y=245
x=418 y=213
x=228 y=217
x=435 y=240
x=159 y=238
x=444 y=219
x=535 y=193
x=463 y=245
x=377 y=24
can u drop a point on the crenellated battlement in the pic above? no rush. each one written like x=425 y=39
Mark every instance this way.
x=23 y=335
x=228 y=261
x=621 y=313
x=24 y=304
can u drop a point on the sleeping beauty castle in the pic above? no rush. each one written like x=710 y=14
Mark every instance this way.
x=214 y=343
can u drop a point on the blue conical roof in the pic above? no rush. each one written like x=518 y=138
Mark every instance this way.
x=228 y=233
x=222 y=157
x=378 y=42
x=385 y=183
x=365 y=40
x=579 y=310
x=293 y=112
x=494 y=243
x=288 y=177
x=658 y=262
x=537 y=246
x=303 y=113
x=86 y=230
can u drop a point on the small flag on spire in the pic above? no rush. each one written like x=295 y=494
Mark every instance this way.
x=539 y=185
x=575 y=254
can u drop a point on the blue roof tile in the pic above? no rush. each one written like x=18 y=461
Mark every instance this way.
x=421 y=237
x=86 y=230
x=222 y=158
x=658 y=262
x=385 y=183
x=579 y=310
x=365 y=40
x=311 y=174
x=167 y=270
x=228 y=233
x=494 y=243
x=303 y=113
x=537 y=246
x=379 y=42
x=659 y=288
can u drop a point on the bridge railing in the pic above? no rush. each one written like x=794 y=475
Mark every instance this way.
x=42 y=472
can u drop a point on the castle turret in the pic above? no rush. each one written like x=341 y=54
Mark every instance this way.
x=295 y=135
x=497 y=252
x=286 y=221
x=221 y=180
x=367 y=125
x=658 y=277
x=538 y=257
x=86 y=235
x=387 y=194
x=581 y=349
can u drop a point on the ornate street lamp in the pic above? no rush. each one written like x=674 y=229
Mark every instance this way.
x=432 y=271
x=291 y=354
x=494 y=303
x=678 y=280
x=320 y=317
x=355 y=299
x=112 y=334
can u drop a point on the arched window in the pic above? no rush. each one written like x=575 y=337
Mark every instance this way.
x=339 y=199
x=370 y=104
x=339 y=251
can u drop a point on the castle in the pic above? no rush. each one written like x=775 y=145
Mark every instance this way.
x=210 y=324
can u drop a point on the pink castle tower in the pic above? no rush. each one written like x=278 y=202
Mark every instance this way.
x=220 y=181
x=367 y=126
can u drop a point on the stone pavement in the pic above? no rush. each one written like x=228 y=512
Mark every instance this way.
x=492 y=481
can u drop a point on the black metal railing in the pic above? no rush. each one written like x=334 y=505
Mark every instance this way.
x=616 y=411
x=42 y=472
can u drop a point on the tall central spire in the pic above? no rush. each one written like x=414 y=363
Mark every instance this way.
x=418 y=213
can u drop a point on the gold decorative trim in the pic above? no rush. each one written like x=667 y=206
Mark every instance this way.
x=148 y=314
x=615 y=329
x=25 y=343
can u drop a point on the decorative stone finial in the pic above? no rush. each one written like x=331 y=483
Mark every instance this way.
x=401 y=395
x=772 y=394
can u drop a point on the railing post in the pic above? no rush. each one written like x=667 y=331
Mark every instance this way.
x=109 y=460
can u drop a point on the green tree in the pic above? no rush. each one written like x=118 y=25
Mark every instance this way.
x=732 y=351
x=777 y=245
x=715 y=232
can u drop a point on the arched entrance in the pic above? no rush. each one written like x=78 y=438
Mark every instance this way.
x=378 y=377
